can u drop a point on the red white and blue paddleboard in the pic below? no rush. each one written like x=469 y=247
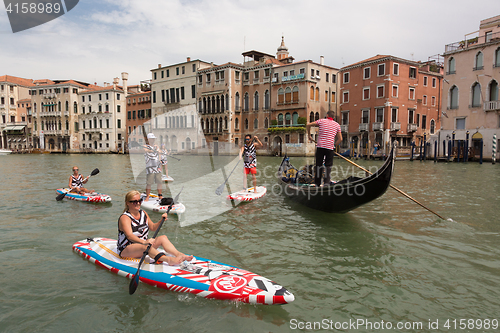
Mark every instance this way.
x=201 y=277
x=88 y=197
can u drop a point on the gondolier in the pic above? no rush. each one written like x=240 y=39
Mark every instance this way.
x=329 y=135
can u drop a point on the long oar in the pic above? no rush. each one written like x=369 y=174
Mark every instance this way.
x=219 y=189
x=394 y=187
x=62 y=195
x=135 y=279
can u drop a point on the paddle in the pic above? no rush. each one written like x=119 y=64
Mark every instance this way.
x=394 y=187
x=219 y=189
x=135 y=279
x=62 y=195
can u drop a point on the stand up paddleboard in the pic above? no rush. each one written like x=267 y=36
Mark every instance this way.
x=153 y=204
x=201 y=277
x=166 y=178
x=248 y=194
x=88 y=197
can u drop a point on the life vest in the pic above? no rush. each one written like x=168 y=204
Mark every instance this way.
x=140 y=229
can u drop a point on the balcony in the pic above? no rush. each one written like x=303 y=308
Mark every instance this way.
x=412 y=128
x=364 y=127
x=472 y=42
x=491 y=106
x=344 y=128
x=395 y=126
x=378 y=126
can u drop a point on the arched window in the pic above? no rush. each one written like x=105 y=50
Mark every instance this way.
x=266 y=123
x=316 y=116
x=222 y=104
x=225 y=122
x=227 y=102
x=497 y=58
x=255 y=123
x=59 y=106
x=451 y=66
x=236 y=123
x=237 y=101
x=311 y=93
x=204 y=105
x=311 y=117
x=200 y=106
x=288 y=119
x=479 y=61
x=280 y=119
x=217 y=104
x=454 y=97
x=246 y=124
x=216 y=125
x=295 y=118
x=493 y=96
x=433 y=126
x=288 y=95
x=256 y=101
x=34 y=107
x=211 y=125
x=246 y=103
x=317 y=95
x=220 y=124
x=67 y=125
x=295 y=94
x=266 y=100
x=476 y=95
x=281 y=96
x=66 y=106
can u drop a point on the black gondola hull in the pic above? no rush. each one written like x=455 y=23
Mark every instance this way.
x=345 y=195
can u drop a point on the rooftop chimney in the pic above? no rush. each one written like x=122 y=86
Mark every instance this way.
x=321 y=60
x=159 y=65
x=125 y=79
x=188 y=59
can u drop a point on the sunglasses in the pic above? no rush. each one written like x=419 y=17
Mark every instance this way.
x=75 y=169
x=136 y=201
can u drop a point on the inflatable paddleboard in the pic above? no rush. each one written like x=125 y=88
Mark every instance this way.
x=248 y=194
x=166 y=178
x=94 y=197
x=201 y=277
x=153 y=204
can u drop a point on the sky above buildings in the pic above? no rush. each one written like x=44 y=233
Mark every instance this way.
x=99 y=39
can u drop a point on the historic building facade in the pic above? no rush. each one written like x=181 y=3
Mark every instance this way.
x=268 y=96
x=385 y=99
x=15 y=111
x=471 y=108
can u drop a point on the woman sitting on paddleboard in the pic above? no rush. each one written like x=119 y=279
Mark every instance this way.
x=133 y=227
x=249 y=153
x=76 y=182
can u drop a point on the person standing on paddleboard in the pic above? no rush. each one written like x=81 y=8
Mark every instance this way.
x=249 y=153
x=76 y=182
x=163 y=158
x=329 y=135
x=133 y=229
x=153 y=166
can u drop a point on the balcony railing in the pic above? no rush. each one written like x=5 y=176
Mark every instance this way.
x=395 y=126
x=491 y=106
x=378 y=126
x=412 y=127
x=363 y=127
x=472 y=42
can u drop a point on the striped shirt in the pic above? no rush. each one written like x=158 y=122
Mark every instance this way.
x=328 y=129
x=152 y=160
x=77 y=182
x=140 y=229
x=250 y=156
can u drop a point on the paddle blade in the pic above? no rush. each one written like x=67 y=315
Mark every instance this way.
x=94 y=172
x=133 y=284
x=220 y=189
x=61 y=196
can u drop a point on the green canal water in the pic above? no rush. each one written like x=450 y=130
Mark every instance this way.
x=389 y=262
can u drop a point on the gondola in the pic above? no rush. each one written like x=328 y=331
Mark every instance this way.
x=339 y=197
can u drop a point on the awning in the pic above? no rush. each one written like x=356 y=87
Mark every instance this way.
x=14 y=128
